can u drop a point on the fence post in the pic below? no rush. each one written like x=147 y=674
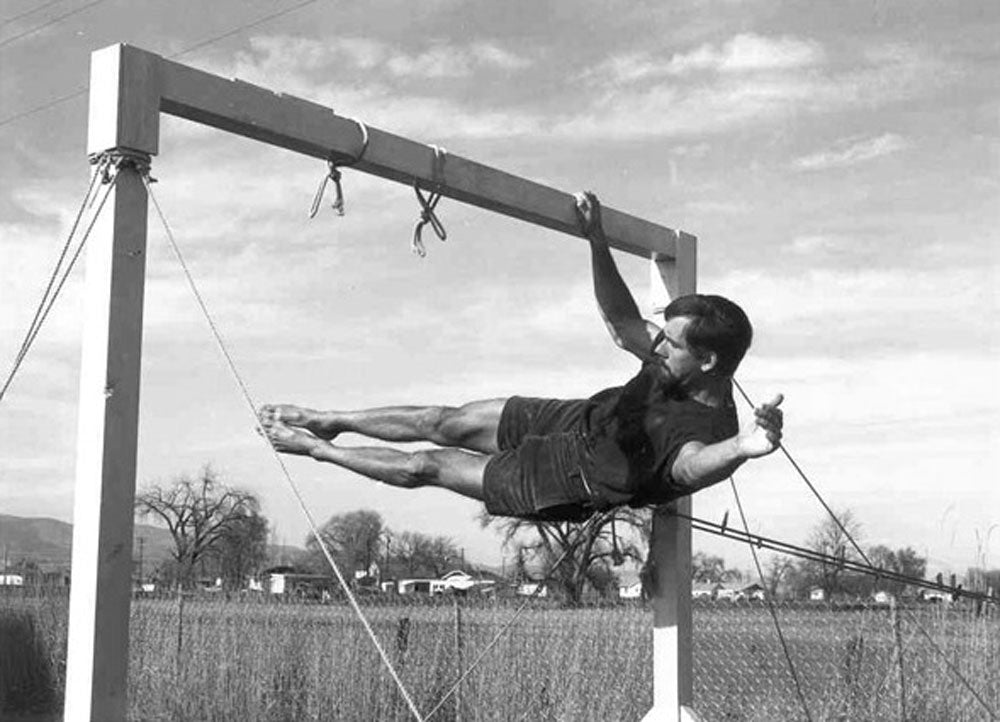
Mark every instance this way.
x=898 y=644
x=458 y=658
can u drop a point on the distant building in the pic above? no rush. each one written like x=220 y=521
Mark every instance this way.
x=629 y=585
x=704 y=590
x=817 y=594
x=419 y=586
x=532 y=589
x=752 y=592
x=288 y=581
x=883 y=597
x=630 y=591
x=11 y=580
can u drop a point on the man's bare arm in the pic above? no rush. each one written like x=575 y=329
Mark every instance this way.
x=617 y=306
x=699 y=465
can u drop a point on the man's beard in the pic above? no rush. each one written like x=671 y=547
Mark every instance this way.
x=671 y=386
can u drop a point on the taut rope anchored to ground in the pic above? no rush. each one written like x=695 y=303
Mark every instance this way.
x=513 y=618
x=774 y=613
x=934 y=645
x=314 y=529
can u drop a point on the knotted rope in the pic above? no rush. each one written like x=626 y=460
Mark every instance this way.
x=334 y=164
x=428 y=203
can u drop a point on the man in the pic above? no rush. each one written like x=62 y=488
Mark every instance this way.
x=671 y=430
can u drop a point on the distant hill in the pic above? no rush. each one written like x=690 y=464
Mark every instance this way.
x=49 y=542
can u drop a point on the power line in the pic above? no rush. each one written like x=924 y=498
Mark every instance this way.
x=28 y=12
x=197 y=46
x=252 y=24
x=53 y=21
x=44 y=106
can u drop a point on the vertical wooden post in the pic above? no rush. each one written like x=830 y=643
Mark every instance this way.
x=123 y=118
x=459 y=668
x=897 y=637
x=670 y=547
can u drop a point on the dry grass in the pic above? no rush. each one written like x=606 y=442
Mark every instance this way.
x=241 y=660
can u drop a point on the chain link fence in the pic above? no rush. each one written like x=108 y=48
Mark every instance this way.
x=253 y=657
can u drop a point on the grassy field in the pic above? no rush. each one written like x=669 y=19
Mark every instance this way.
x=241 y=660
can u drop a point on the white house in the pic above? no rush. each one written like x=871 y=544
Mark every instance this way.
x=419 y=586
x=724 y=592
x=817 y=594
x=629 y=585
x=11 y=580
x=528 y=589
x=704 y=590
x=752 y=592
x=630 y=591
x=883 y=597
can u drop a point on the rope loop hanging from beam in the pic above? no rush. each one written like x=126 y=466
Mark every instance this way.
x=334 y=164
x=428 y=203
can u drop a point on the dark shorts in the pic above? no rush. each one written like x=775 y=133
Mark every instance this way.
x=538 y=473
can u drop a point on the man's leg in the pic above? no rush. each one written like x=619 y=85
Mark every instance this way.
x=472 y=426
x=452 y=469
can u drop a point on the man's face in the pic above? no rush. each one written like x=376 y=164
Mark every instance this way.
x=680 y=364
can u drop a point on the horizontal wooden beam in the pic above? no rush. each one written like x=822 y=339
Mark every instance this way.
x=315 y=130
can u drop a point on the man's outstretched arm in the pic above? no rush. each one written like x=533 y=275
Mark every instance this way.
x=700 y=465
x=618 y=308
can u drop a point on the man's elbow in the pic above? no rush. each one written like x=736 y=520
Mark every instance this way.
x=692 y=476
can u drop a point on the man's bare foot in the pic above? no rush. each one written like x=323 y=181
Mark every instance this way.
x=317 y=422
x=289 y=439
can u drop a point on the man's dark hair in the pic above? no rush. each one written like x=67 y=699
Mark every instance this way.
x=717 y=325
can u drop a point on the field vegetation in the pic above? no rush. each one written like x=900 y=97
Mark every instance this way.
x=241 y=659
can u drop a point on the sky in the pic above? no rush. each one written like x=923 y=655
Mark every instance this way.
x=838 y=162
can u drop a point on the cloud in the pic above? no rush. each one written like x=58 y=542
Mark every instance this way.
x=377 y=96
x=448 y=61
x=743 y=53
x=749 y=53
x=809 y=245
x=744 y=82
x=439 y=60
x=852 y=151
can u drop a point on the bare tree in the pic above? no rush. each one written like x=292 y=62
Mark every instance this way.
x=832 y=539
x=779 y=570
x=587 y=550
x=422 y=554
x=200 y=513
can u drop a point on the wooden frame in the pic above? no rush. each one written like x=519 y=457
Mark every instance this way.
x=129 y=88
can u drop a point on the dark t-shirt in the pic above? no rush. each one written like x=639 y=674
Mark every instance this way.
x=634 y=432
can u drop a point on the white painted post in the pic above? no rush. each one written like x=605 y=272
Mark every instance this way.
x=123 y=117
x=670 y=547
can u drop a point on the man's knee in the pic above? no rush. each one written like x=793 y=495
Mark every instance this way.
x=423 y=468
x=472 y=425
